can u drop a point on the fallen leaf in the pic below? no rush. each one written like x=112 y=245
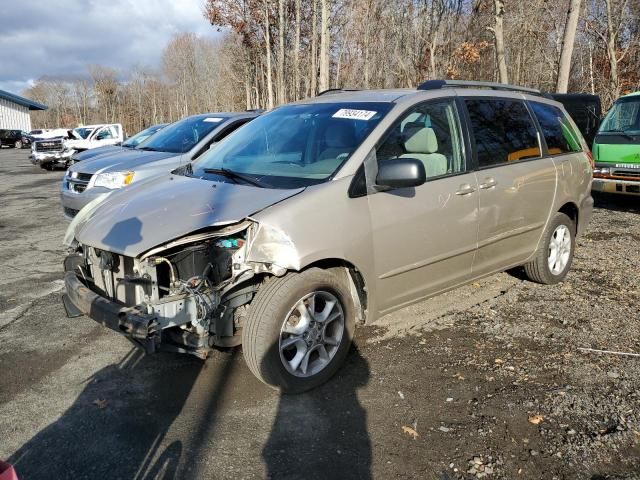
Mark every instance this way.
x=410 y=431
x=100 y=403
x=536 y=419
x=476 y=284
x=498 y=361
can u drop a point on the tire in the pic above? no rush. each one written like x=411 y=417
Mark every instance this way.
x=562 y=230
x=18 y=144
x=271 y=352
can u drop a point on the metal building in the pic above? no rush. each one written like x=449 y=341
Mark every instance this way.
x=15 y=111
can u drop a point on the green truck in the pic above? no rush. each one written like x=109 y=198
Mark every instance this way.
x=616 y=148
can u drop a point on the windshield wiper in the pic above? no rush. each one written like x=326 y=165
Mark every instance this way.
x=148 y=149
x=234 y=176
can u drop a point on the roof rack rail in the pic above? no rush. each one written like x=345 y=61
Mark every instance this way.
x=333 y=91
x=438 y=84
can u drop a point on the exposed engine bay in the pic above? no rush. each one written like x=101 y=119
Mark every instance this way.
x=188 y=295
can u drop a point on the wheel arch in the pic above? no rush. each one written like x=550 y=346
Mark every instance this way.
x=571 y=210
x=358 y=288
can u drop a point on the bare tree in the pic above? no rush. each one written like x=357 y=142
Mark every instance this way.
x=498 y=33
x=325 y=39
x=568 y=42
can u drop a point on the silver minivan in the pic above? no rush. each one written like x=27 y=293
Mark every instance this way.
x=330 y=212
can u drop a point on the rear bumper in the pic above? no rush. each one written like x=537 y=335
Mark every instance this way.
x=611 y=185
x=132 y=322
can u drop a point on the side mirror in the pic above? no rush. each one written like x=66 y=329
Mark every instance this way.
x=401 y=173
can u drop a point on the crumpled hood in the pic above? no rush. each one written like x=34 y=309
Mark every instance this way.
x=126 y=159
x=140 y=217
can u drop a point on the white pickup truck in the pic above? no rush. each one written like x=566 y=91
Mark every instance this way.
x=52 y=152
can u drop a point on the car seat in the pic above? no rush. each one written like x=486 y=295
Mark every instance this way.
x=339 y=140
x=421 y=143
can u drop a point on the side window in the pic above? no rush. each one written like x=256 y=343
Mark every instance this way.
x=430 y=133
x=104 y=134
x=557 y=129
x=220 y=136
x=503 y=130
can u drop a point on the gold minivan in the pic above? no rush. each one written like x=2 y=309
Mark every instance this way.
x=330 y=212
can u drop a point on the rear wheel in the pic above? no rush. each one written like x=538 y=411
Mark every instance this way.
x=555 y=253
x=299 y=329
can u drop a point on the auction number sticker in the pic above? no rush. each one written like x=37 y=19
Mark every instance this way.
x=354 y=114
x=213 y=119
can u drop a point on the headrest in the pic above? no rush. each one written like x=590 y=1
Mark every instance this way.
x=340 y=135
x=421 y=140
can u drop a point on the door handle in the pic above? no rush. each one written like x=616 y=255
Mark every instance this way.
x=488 y=183
x=465 y=189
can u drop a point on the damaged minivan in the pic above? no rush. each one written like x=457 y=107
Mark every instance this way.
x=331 y=212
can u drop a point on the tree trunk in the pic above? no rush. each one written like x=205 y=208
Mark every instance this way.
x=498 y=33
x=567 y=46
x=614 y=83
x=314 y=48
x=296 y=55
x=324 y=47
x=280 y=78
x=268 y=45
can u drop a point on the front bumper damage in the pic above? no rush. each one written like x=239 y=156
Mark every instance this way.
x=51 y=158
x=132 y=322
x=186 y=296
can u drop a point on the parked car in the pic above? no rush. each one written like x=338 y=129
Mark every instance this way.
x=52 y=152
x=171 y=147
x=12 y=138
x=131 y=142
x=330 y=212
x=585 y=110
x=616 y=148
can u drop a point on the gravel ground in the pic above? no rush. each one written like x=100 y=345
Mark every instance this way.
x=486 y=381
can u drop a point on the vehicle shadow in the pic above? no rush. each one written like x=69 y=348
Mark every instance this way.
x=116 y=426
x=616 y=202
x=323 y=433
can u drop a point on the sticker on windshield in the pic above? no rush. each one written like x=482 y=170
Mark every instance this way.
x=354 y=114
x=213 y=119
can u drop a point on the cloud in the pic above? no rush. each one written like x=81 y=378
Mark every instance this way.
x=60 y=38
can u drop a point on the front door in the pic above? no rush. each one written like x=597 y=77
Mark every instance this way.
x=424 y=238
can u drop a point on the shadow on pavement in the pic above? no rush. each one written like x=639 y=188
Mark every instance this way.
x=116 y=426
x=323 y=433
x=616 y=202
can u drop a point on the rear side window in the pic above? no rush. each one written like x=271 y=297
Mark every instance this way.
x=504 y=131
x=557 y=129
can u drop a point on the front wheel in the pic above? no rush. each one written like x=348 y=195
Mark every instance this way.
x=299 y=329
x=555 y=253
x=18 y=144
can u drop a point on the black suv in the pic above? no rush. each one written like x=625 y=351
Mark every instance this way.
x=13 y=138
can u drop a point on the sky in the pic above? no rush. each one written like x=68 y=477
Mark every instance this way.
x=59 y=38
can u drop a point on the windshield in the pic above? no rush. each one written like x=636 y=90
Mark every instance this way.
x=83 y=131
x=140 y=137
x=624 y=116
x=295 y=145
x=183 y=135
